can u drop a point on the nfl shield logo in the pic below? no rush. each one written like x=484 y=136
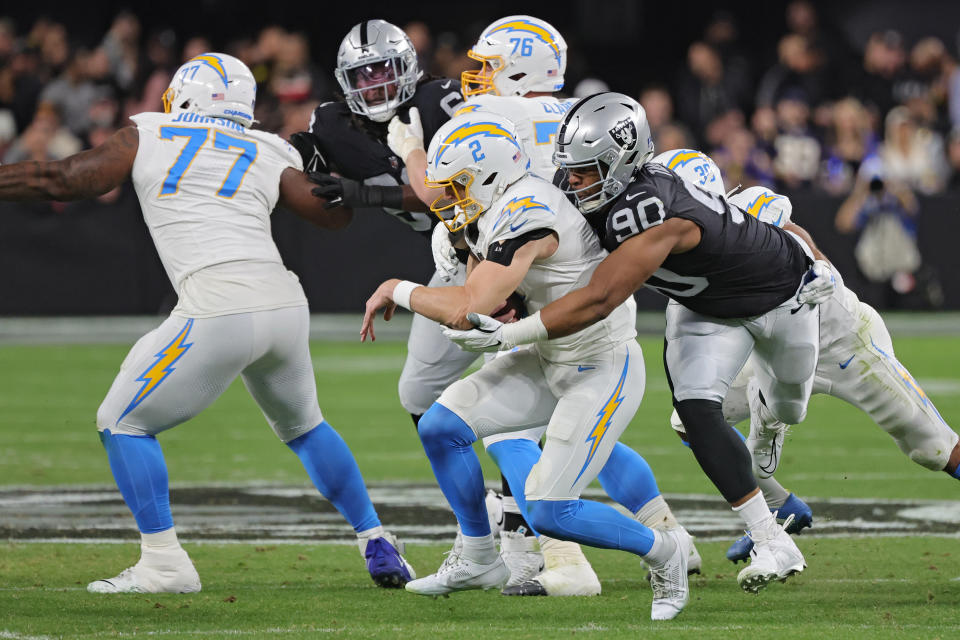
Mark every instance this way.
x=625 y=133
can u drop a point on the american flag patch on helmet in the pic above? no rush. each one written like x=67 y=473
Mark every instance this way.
x=217 y=96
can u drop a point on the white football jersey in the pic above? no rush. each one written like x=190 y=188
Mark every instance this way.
x=533 y=204
x=207 y=187
x=537 y=120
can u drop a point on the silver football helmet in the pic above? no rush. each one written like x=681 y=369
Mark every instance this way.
x=607 y=132
x=377 y=69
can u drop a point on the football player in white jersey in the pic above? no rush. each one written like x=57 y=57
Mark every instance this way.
x=856 y=364
x=523 y=60
x=525 y=236
x=207 y=184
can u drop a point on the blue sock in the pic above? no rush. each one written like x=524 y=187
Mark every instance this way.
x=956 y=472
x=334 y=471
x=141 y=474
x=448 y=442
x=515 y=458
x=590 y=523
x=628 y=479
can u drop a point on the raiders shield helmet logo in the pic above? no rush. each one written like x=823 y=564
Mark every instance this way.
x=625 y=133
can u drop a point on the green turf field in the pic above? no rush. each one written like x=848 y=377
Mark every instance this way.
x=906 y=587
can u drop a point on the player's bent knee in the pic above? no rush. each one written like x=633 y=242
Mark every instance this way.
x=440 y=427
x=548 y=516
x=934 y=457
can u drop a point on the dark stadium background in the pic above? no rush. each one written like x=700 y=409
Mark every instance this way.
x=96 y=258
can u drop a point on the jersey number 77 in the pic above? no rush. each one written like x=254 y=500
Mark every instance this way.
x=196 y=138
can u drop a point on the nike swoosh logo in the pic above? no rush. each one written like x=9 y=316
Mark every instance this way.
x=632 y=196
x=582 y=368
x=446 y=85
x=844 y=365
x=514 y=228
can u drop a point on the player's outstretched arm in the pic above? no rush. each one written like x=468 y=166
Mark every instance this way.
x=616 y=278
x=488 y=285
x=296 y=195
x=85 y=175
x=806 y=237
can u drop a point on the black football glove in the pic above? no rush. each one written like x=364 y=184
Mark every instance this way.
x=338 y=191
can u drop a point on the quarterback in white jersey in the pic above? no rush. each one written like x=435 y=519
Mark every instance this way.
x=524 y=235
x=207 y=184
x=856 y=364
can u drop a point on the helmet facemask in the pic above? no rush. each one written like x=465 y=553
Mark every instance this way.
x=389 y=77
x=595 y=195
x=481 y=81
x=456 y=208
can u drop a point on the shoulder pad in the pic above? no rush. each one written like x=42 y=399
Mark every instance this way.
x=326 y=115
x=521 y=214
x=280 y=146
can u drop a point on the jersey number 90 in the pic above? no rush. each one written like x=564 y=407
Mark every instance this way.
x=638 y=216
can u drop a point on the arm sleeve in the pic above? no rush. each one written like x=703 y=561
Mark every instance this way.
x=502 y=252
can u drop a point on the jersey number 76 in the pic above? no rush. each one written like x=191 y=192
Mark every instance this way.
x=196 y=137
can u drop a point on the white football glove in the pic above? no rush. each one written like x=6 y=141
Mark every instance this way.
x=402 y=138
x=444 y=255
x=818 y=284
x=486 y=335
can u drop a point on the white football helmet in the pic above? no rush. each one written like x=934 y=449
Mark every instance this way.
x=693 y=166
x=376 y=55
x=474 y=157
x=213 y=84
x=764 y=205
x=606 y=132
x=519 y=54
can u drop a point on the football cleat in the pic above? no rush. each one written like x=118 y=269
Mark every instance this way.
x=802 y=517
x=156 y=572
x=385 y=562
x=774 y=557
x=671 y=590
x=522 y=556
x=494 y=503
x=765 y=441
x=460 y=574
x=568 y=573
x=694 y=561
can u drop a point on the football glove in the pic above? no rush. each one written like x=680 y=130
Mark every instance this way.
x=818 y=284
x=444 y=255
x=339 y=191
x=486 y=335
x=403 y=138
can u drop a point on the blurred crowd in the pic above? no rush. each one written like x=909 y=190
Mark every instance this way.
x=823 y=115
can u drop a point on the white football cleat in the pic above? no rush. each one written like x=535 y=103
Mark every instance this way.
x=568 y=573
x=694 y=561
x=774 y=556
x=494 y=504
x=522 y=556
x=765 y=441
x=671 y=590
x=156 y=572
x=460 y=574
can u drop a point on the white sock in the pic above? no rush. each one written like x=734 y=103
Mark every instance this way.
x=480 y=549
x=661 y=551
x=773 y=491
x=755 y=514
x=159 y=542
x=510 y=505
x=656 y=514
x=366 y=535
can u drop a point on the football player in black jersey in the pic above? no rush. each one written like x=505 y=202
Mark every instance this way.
x=347 y=152
x=743 y=286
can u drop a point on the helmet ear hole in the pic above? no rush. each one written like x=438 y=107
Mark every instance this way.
x=490 y=179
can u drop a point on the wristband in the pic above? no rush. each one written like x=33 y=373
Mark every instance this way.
x=530 y=329
x=378 y=196
x=401 y=293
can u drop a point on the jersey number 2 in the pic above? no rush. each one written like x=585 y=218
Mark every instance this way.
x=196 y=137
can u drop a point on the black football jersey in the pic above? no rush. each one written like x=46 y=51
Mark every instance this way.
x=356 y=147
x=741 y=268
